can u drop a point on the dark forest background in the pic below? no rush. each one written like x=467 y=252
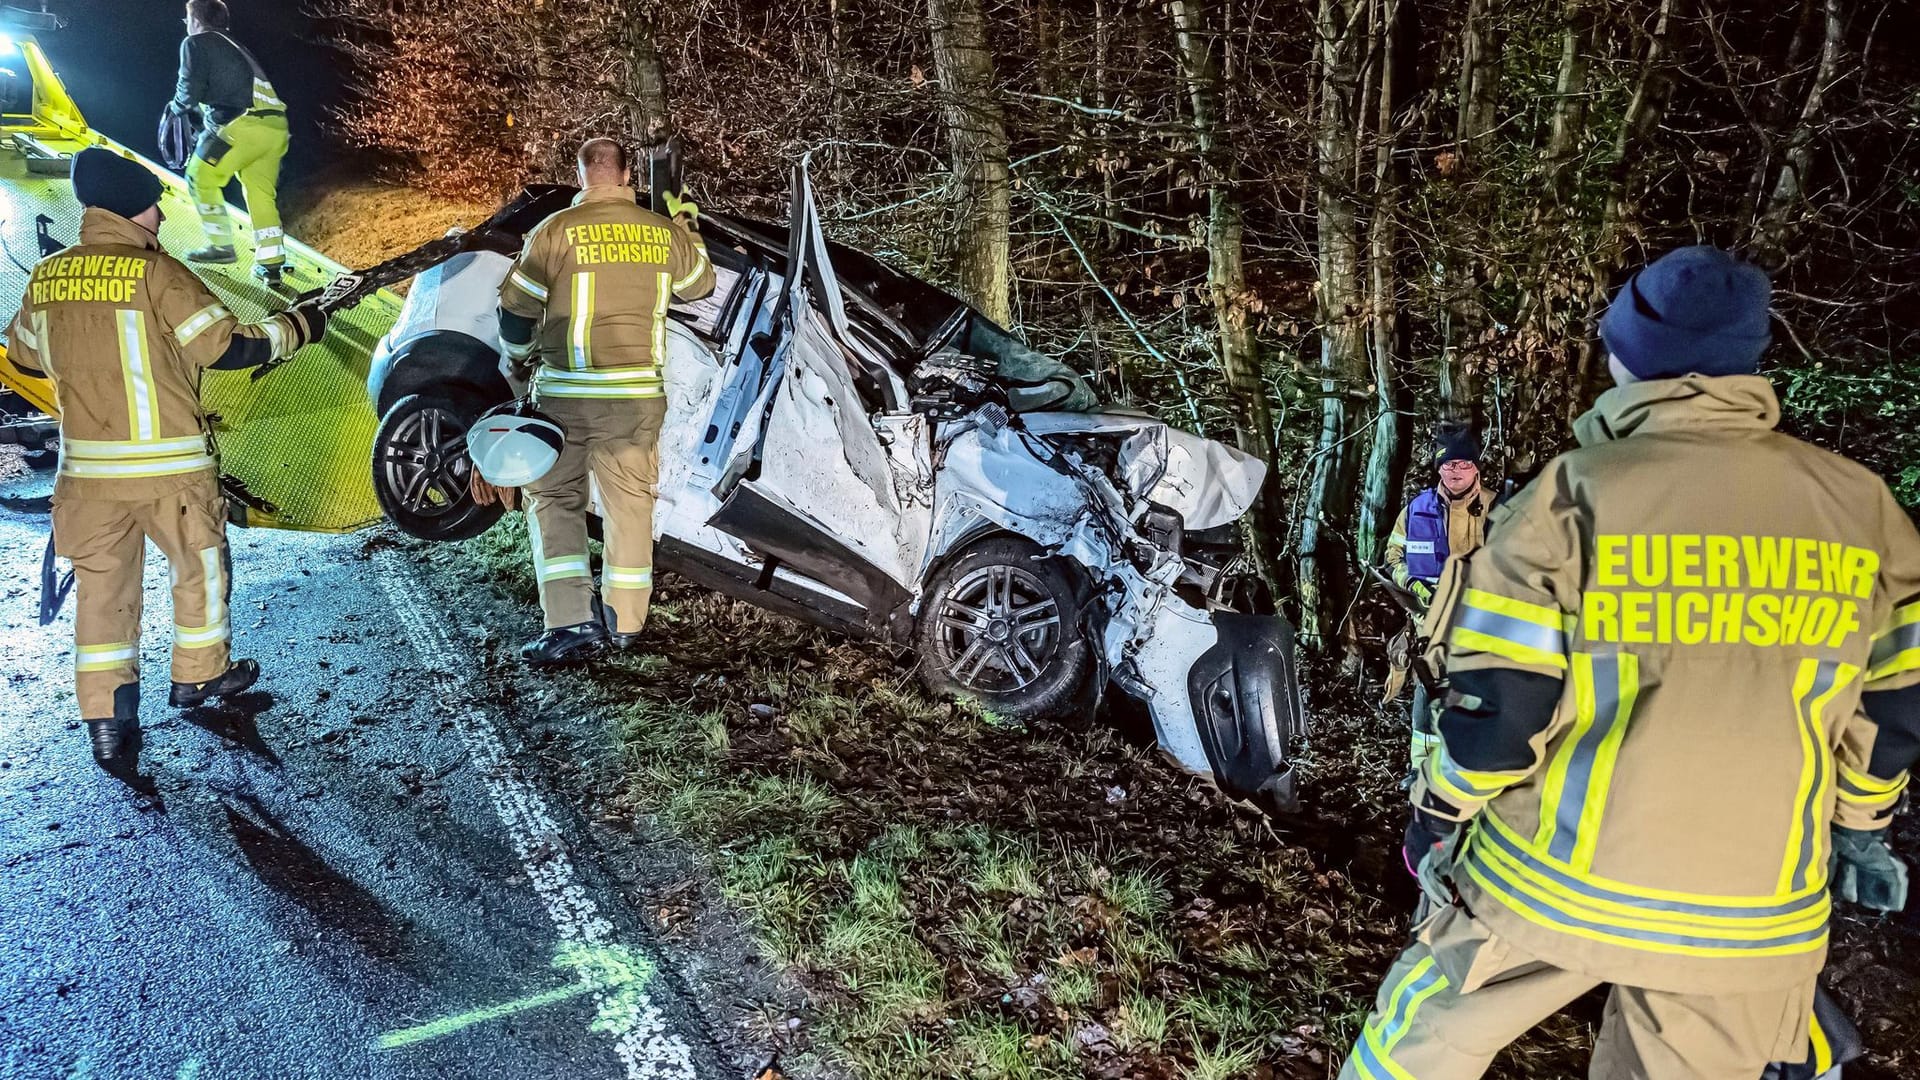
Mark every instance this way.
x=1315 y=227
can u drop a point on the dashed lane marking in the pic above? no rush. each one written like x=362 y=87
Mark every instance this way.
x=648 y=1047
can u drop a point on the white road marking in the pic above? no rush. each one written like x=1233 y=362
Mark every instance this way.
x=649 y=1048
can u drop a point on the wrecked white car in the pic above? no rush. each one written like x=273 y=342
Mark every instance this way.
x=856 y=448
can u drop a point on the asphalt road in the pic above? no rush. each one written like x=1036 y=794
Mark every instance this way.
x=349 y=875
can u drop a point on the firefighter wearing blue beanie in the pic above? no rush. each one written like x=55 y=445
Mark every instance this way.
x=1683 y=705
x=1695 y=311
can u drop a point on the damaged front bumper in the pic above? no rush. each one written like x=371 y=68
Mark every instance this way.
x=1224 y=696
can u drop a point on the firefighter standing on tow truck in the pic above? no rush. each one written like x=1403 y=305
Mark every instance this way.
x=589 y=297
x=1685 y=678
x=124 y=332
x=245 y=135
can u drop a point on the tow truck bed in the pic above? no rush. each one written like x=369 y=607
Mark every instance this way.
x=299 y=440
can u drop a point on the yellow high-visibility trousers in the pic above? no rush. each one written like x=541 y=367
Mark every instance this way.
x=251 y=148
x=106 y=539
x=1458 y=994
x=612 y=450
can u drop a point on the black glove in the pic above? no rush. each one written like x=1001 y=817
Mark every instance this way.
x=310 y=318
x=1865 y=871
x=1428 y=850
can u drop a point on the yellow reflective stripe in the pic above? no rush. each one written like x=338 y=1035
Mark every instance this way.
x=1499 y=847
x=580 y=325
x=646 y=373
x=1822 y=1047
x=1474 y=641
x=567 y=566
x=119 y=449
x=527 y=285
x=1383 y=1032
x=1815 y=685
x=194 y=637
x=1465 y=787
x=143 y=394
x=626 y=577
x=653 y=391
x=1896 y=646
x=1538 y=614
x=158 y=467
x=1574 y=797
x=1858 y=787
x=1813 y=940
x=699 y=266
x=104 y=657
x=662 y=296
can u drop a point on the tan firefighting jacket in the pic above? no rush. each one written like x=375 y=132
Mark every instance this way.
x=598 y=277
x=124 y=331
x=1658 y=666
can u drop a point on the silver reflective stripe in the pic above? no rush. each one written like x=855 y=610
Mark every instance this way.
x=624 y=577
x=197 y=323
x=1579 y=778
x=104 y=657
x=1507 y=628
x=1895 y=642
x=160 y=467
x=662 y=297
x=580 y=327
x=99 y=450
x=25 y=335
x=528 y=285
x=143 y=394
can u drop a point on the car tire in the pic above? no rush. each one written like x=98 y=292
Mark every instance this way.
x=1000 y=624
x=421 y=470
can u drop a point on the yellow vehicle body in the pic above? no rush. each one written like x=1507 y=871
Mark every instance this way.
x=297 y=442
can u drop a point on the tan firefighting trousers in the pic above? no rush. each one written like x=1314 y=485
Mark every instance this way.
x=1458 y=994
x=106 y=539
x=612 y=444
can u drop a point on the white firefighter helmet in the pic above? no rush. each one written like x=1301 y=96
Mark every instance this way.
x=515 y=444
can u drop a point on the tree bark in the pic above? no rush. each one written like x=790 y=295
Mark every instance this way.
x=1380 y=487
x=1479 y=92
x=646 y=78
x=1778 y=225
x=1227 y=277
x=1343 y=349
x=977 y=137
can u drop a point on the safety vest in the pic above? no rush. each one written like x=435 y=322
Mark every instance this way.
x=1427 y=536
x=1712 y=599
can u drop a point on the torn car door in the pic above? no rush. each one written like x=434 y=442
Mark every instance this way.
x=826 y=495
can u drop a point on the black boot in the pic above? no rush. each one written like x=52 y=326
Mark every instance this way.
x=116 y=744
x=269 y=276
x=624 y=642
x=237 y=679
x=563 y=644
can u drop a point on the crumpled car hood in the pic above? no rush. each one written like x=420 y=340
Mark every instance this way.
x=1208 y=482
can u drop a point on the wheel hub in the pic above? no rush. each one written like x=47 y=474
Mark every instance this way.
x=1000 y=629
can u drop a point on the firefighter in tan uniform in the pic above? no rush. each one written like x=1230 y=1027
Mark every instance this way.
x=124 y=331
x=1685 y=680
x=587 y=300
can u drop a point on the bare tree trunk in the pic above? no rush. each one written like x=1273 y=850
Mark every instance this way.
x=1227 y=277
x=1380 y=487
x=1343 y=350
x=1777 y=225
x=977 y=136
x=1479 y=98
x=1650 y=92
x=646 y=78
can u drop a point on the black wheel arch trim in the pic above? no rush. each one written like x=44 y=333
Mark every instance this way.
x=442 y=363
x=1245 y=695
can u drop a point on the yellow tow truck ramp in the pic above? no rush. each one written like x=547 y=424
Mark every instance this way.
x=295 y=446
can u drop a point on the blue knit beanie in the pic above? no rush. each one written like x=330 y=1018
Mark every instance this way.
x=1697 y=310
x=104 y=179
